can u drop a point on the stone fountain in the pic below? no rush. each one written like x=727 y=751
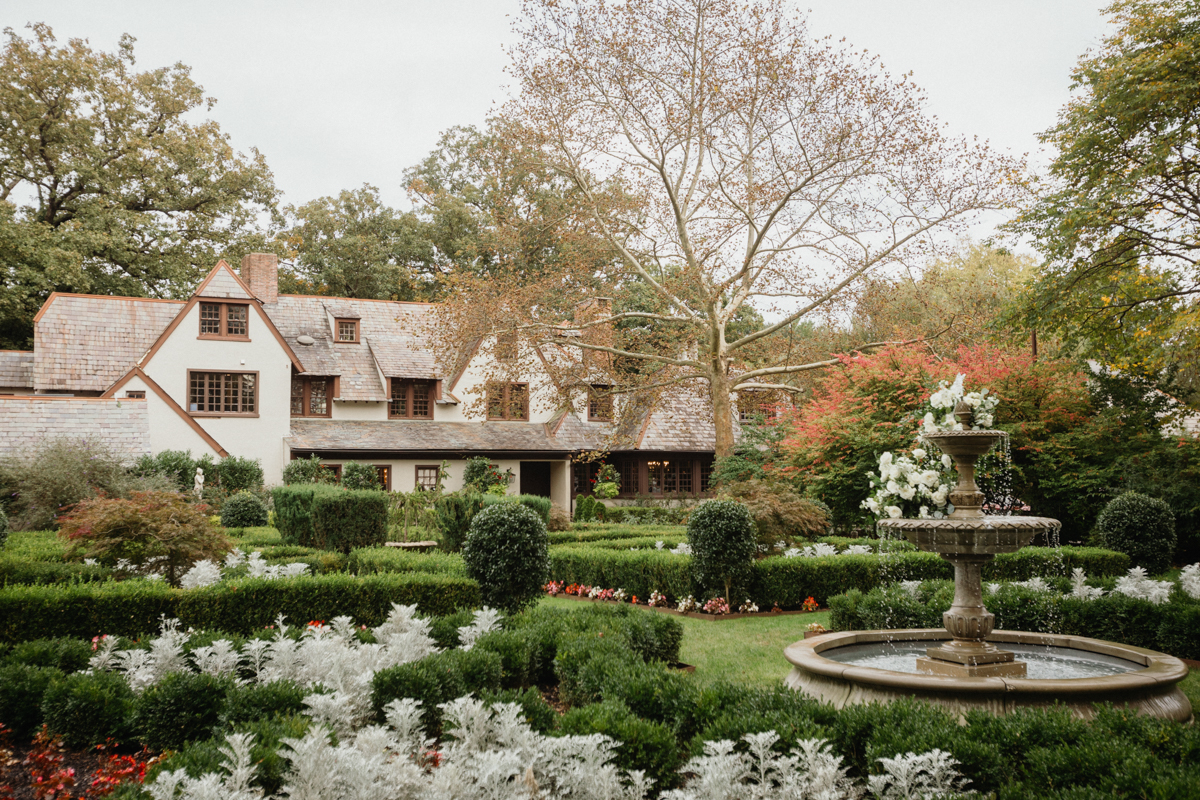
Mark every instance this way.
x=962 y=666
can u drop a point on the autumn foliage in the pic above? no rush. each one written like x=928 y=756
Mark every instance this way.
x=156 y=531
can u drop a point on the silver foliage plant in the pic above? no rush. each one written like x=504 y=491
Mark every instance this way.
x=489 y=752
x=492 y=754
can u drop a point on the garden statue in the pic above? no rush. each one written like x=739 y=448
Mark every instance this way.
x=198 y=484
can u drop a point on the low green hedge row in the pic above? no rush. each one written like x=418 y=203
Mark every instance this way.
x=637 y=515
x=19 y=570
x=788 y=582
x=594 y=532
x=330 y=517
x=638 y=543
x=1172 y=627
x=371 y=560
x=133 y=608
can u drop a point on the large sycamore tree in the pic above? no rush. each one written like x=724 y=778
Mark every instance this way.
x=111 y=180
x=745 y=176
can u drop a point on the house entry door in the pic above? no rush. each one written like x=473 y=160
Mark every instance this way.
x=535 y=478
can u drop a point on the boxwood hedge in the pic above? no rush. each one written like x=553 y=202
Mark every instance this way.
x=132 y=608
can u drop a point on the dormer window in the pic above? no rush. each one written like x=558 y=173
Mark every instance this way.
x=225 y=321
x=508 y=401
x=347 y=331
x=600 y=403
x=410 y=399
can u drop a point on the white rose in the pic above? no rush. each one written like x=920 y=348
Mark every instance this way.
x=919 y=454
x=907 y=492
x=893 y=511
x=947 y=462
x=872 y=505
x=924 y=514
x=893 y=487
x=885 y=460
x=930 y=423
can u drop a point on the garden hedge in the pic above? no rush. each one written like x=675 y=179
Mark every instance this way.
x=372 y=560
x=19 y=570
x=606 y=532
x=788 y=582
x=133 y=608
x=330 y=517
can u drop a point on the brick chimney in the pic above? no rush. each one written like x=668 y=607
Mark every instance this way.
x=260 y=271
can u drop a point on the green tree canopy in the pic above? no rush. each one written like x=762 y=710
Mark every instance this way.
x=106 y=184
x=1118 y=220
x=353 y=245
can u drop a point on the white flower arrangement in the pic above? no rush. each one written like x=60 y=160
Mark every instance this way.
x=943 y=401
x=915 y=485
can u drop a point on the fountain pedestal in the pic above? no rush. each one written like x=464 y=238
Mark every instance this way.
x=968 y=540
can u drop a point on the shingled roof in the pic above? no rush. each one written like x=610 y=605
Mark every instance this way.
x=416 y=437
x=122 y=425
x=85 y=342
x=16 y=369
x=392 y=340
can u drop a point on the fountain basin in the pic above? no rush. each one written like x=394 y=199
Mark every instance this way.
x=969 y=535
x=1141 y=679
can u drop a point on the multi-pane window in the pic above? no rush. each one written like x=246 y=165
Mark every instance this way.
x=310 y=396
x=223 y=392
x=600 y=403
x=629 y=477
x=668 y=477
x=135 y=394
x=347 y=330
x=383 y=474
x=508 y=401
x=427 y=478
x=411 y=399
x=224 y=320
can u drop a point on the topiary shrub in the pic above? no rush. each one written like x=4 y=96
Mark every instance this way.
x=723 y=537
x=507 y=552
x=181 y=708
x=89 y=708
x=149 y=525
x=307 y=470
x=1140 y=526
x=357 y=475
x=243 y=510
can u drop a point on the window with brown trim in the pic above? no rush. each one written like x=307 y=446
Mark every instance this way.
x=223 y=393
x=410 y=399
x=508 y=401
x=347 y=330
x=669 y=477
x=600 y=403
x=427 y=477
x=629 y=477
x=135 y=394
x=224 y=321
x=311 y=396
x=384 y=471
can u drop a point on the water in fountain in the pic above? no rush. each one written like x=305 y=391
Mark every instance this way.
x=1042 y=662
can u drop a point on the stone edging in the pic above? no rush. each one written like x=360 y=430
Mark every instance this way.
x=691 y=614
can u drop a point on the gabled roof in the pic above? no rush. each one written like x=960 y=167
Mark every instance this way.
x=223 y=282
x=85 y=342
x=392 y=335
x=191 y=421
x=16 y=369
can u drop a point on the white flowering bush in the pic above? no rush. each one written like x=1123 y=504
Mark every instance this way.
x=939 y=415
x=914 y=485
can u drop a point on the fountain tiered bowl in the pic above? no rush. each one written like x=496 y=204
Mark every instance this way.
x=968 y=665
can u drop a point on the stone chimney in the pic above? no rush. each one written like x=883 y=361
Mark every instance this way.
x=260 y=271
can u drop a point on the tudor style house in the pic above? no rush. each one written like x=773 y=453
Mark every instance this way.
x=240 y=369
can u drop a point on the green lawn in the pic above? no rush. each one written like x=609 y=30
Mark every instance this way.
x=748 y=651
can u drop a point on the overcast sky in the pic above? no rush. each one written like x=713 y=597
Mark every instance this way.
x=340 y=94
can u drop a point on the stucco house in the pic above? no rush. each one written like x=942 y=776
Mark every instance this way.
x=240 y=369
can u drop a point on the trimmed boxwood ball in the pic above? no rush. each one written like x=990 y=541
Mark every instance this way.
x=181 y=708
x=89 y=708
x=508 y=553
x=243 y=510
x=723 y=537
x=1140 y=526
